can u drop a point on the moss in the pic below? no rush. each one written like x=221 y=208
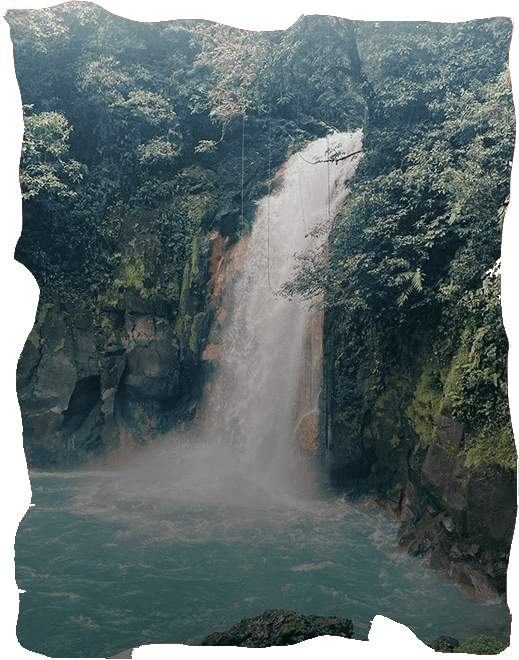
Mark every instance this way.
x=182 y=327
x=487 y=447
x=35 y=335
x=190 y=272
x=453 y=381
x=107 y=324
x=132 y=276
x=426 y=405
x=181 y=324
x=135 y=269
x=60 y=345
x=107 y=299
x=481 y=645
x=194 y=257
x=35 y=339
x=186 y=286
x=385 y=404
x=197 y=207
x=172 y=289
x=196 y=331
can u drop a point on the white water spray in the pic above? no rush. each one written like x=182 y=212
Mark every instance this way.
x=253 y=402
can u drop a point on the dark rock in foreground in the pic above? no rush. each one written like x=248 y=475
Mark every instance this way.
x=445 y=644
x=279 y=628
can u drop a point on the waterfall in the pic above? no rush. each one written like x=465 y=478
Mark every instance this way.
x=252 y=403
x=243 y=449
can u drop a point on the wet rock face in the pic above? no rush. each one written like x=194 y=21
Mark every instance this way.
x=80 y=388
x=279 y=628
x=464 y=519
x=491 y=495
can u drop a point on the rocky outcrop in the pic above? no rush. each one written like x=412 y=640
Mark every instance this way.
x=89 y=382
x=279 y=628
x=444 y=644
x=394 y=441
x=468 y=522
x=462 y=519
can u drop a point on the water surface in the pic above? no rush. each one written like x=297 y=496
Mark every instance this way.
x=106 y=567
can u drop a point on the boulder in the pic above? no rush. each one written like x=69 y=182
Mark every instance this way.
x=279 y=628
x=491 y=496
x=444 y=644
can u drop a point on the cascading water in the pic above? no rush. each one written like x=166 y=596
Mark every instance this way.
x=252 y=414
x=207 y=528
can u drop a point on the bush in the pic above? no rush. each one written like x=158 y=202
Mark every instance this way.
x=481 y=645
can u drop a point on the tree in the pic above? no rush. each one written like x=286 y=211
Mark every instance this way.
x=135 y=120
x=232 y=60
x=45 y=169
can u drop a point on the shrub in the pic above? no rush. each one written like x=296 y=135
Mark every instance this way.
x=481 y=645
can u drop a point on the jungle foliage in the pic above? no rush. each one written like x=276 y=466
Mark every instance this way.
x=116 y=110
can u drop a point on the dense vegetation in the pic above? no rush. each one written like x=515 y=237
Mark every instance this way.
x=142 y=138
x=481 y=645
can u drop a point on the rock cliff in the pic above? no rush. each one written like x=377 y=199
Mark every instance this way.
x=106 y=373
x=460 y=517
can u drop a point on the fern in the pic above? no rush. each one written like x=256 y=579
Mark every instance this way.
x=415 y=279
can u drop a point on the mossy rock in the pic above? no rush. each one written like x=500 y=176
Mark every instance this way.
x=279 y=628
x=444 y=644
x=196 y=331
x=60 y=345
x=35 y=336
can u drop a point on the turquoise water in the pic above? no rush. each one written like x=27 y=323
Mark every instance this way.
x=111 y=560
